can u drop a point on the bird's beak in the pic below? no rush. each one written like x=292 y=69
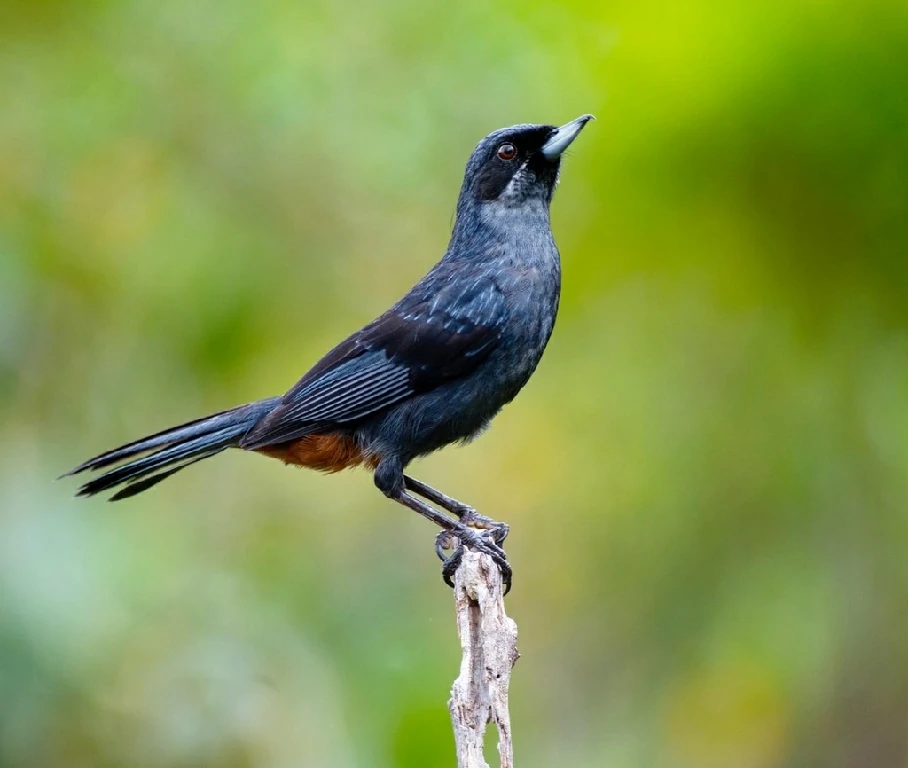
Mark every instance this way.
x=562 y=138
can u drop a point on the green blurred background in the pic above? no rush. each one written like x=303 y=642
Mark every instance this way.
x=706 y=479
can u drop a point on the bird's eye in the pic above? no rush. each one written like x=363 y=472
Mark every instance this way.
x=507 y=151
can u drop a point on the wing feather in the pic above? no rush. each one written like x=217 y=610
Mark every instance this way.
x=441 y=331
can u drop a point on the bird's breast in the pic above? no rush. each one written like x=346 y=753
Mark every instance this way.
x=533 y=293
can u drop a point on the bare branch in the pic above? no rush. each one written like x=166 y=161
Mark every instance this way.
x=488 y=639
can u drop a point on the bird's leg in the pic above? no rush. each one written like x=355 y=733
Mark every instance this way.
x=466 y=514
x=467 y=537
x=445 y=540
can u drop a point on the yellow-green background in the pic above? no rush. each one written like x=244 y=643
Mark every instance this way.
x=707 y=479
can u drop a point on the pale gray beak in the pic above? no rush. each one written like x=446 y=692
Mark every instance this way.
x=562 y=138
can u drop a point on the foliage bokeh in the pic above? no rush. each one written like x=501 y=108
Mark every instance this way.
x=705 y=480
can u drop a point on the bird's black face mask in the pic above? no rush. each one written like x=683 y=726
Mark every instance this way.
x=518 y=164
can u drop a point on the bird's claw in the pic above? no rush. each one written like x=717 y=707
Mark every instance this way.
x=450 y=565
x=445 y=540
x=488 y=542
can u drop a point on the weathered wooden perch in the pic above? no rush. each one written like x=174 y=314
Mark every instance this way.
x=488 y=639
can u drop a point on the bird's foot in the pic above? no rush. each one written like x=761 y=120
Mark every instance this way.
x=471 y=518
x=488 y=542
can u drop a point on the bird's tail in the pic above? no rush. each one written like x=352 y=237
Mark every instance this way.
x=165 y=453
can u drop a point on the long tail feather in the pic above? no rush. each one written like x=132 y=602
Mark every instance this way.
x=175 y=448
x=138 y=485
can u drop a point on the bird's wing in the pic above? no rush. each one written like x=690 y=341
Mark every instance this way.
x=431 y=336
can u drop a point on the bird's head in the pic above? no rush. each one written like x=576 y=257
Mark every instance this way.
x=517 y=166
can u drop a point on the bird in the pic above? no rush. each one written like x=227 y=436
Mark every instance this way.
x=431 y=371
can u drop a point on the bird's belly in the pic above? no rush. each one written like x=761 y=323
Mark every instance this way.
x=325 y=453
x=457 y=412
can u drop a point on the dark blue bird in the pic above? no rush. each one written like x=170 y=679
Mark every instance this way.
x=432 y=370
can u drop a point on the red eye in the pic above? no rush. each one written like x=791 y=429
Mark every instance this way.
x=507 y=151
